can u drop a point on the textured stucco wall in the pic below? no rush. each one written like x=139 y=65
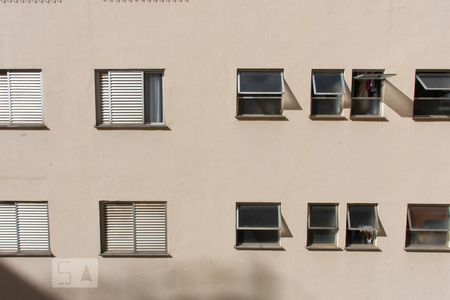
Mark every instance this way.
x=209 y=160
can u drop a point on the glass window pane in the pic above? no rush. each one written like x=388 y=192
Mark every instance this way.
x=321 y=237
x=328 y=84
x=367 y=88
x=258 y=216
x=361 y=237
x=331 y=106
x=257 y=236
x=434 y=81
x=260 y=82
x=322 y=216
x=433 y=107
x=153 y=97
x=427 y=238
x=259 y=106
x=429 y=217
x=366 y=107
x=362 y=216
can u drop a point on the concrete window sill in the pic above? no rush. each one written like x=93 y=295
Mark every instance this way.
x=275 y=247
x=133 y=127
x=261 y=117
x=369 y=248
x=134 y=254
x=328 y=117
x=324 y=248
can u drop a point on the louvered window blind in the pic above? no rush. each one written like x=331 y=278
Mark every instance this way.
x=21 y=98
x=129 y=97
x=24 y=228
x=134 y=228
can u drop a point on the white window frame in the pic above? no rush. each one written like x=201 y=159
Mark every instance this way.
x=258 y=245
x=99 y=121
x=335 y=228
x=242 y=96
x=339 y=96
x=374 y=229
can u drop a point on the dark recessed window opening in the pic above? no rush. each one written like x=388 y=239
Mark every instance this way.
x=260 y=93
x=428 y=226
x=362 y=224
x=322 y=224
x=367 y=93
x=327 y=90
x=432 y=94
x=258 y=224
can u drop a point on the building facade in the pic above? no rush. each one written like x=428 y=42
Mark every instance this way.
x=188 y=157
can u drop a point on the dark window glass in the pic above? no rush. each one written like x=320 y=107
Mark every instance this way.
x=153 y=105
x=362 y=216
x=367 y=107
x=434 y=81
x=258 y=216
x=327 y=106
x=259 y=106
x=366 y=88
x=321 y=236
x=427 y=238
x=260 y=82
x=257 y=236
x=322 y=216
x=429 y=217
x=431 y=107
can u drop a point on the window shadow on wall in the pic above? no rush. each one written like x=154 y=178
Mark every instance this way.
x=285 y=231
x=290 y=101
x=13 y=286
x=397 y=100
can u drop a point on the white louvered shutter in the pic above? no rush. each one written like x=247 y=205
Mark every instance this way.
x=5 y=112
x=8 y=228
x=122 y=97
x=150 y=221
x=119 y=227
x=33 y=226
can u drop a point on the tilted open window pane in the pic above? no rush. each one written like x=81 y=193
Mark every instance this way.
x=434 y=81
x=258 y=216
x=260 y=82
x=367 y=93
x=429 y=218
x=330 y=83
x=362 y=217
x=323 y=216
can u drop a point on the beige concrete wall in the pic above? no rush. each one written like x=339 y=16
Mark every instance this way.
x=209 y=160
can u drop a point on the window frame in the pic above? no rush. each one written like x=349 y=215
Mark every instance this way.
x=99 y=124
x=242 y=96
x=258 y=246
x=425 y=247
x=103 y=245
x=417 y=99
x=323 y=246
x=369 y=74
x=327 y=96
x=29 y=253
x=374 y=229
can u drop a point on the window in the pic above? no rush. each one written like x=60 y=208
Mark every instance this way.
x=362 y=225
x=258 y=225
x=260 y=93
x=322 y=225
x=129 y=97
x=327 y=90
x=367 y=93
x=21 y=98
x=428 y=226
x=133 y=228
x=24 y=228
x=432 y=94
